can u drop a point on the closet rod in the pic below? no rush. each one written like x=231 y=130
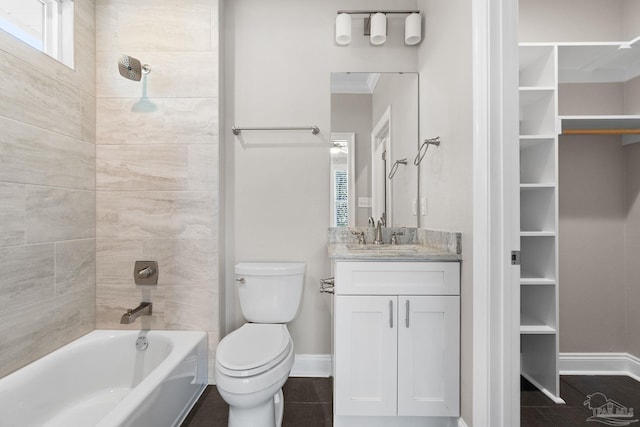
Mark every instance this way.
x=314 y=129
x=601 y=132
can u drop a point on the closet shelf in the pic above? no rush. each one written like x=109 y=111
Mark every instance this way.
x=537 y=233
x=537 y=281
x=536 y=330
x=534 y=185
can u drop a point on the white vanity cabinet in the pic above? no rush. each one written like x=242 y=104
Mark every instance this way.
x=396 y=343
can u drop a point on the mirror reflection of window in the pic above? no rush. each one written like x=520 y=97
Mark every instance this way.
x=342 y=161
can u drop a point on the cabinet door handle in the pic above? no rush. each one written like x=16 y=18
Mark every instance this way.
x=391 y=314
x=406 y=318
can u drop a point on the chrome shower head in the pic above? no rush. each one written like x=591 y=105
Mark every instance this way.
x=131 y=68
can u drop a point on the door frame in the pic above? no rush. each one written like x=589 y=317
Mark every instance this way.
x=496 y=361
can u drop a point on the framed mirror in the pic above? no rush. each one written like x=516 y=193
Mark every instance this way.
x=374 y=136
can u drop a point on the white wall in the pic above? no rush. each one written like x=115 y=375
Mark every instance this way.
x=631 y=19
x=280 y=55
x=446 y=171
x=571 y=20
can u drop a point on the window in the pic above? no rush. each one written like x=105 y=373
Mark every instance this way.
x=46 y=25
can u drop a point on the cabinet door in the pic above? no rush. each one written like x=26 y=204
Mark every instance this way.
x=428 y=355
x=365 y=355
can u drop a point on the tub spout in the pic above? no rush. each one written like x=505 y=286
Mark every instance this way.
x=131 y=315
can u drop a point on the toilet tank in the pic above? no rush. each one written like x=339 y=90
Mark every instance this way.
x=270 y=292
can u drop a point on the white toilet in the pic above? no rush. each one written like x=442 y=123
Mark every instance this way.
x=254 y=361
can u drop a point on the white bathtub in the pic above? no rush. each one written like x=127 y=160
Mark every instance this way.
x=101 y=379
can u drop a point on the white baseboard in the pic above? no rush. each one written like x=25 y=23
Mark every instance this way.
x=311 y=365
x=600 y=364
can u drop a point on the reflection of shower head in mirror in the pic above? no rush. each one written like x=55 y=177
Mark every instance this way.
x=131 y=68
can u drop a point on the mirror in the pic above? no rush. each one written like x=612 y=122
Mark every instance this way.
x=374 y=133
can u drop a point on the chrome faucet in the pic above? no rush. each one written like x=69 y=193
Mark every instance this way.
x=377 y=240
x=131 y=315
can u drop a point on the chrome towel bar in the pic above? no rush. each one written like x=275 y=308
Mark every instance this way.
x=314 y=129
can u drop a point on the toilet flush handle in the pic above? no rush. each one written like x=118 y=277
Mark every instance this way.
x=240 y=280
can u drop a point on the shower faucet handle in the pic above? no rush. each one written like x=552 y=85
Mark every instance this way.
x=145 y=273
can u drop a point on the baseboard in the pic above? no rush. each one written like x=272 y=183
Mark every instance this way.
x=311 y=365
x=600 y=364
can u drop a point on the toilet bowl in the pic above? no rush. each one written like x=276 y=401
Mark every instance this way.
x=252 y=365
x=254 y=361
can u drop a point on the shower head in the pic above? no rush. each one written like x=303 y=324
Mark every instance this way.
x=131 y=68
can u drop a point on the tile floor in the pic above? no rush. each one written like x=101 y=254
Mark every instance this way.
x=539 y=411
x=308 y=403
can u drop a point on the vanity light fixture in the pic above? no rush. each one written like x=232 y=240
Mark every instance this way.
x=378 y=30
x=413 y=29
x=375 y=26
x=343 y=29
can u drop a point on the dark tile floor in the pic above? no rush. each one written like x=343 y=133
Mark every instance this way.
x=539 y=411
x=307 y=402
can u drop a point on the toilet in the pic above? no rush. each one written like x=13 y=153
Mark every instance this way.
x=254 y=361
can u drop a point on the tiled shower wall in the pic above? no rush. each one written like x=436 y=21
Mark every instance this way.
x=47 y=196
x=157 y=163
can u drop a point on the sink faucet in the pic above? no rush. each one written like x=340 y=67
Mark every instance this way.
x=131 y=315
x=378 y=236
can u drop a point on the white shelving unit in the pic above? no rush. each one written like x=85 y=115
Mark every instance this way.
x=544 y=69
x=539 y=217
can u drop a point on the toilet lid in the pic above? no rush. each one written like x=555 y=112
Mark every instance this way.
x=253 y=348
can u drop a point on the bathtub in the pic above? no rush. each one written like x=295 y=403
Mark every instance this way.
x=103 y=380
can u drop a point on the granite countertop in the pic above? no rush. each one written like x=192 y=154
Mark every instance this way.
x=413 y=245
x=400 y=252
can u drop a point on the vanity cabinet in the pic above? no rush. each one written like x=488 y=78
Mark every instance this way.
x=396 y=342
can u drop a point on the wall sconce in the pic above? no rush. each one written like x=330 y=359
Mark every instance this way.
x=378 y=29
x=343 y=29
x=375 y=26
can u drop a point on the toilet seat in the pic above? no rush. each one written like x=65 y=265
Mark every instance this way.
x=253 y=349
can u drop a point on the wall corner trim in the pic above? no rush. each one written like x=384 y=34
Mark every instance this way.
x=600 y=364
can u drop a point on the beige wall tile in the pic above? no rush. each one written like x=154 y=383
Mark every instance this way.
x=27 y=275
x=181 y=261
x=154 y=26
x=112 y=301
x=32 y=155
x=31 y=332
x=203 y=167
x=156 y=214
x=59 y=214
x=12 y=212
x=141 y=167
x=75 y=265
x=115 y=260
x=47 y=117
x=170 y=121
x=178 y=74
x=190 y=307
x=46 y=103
